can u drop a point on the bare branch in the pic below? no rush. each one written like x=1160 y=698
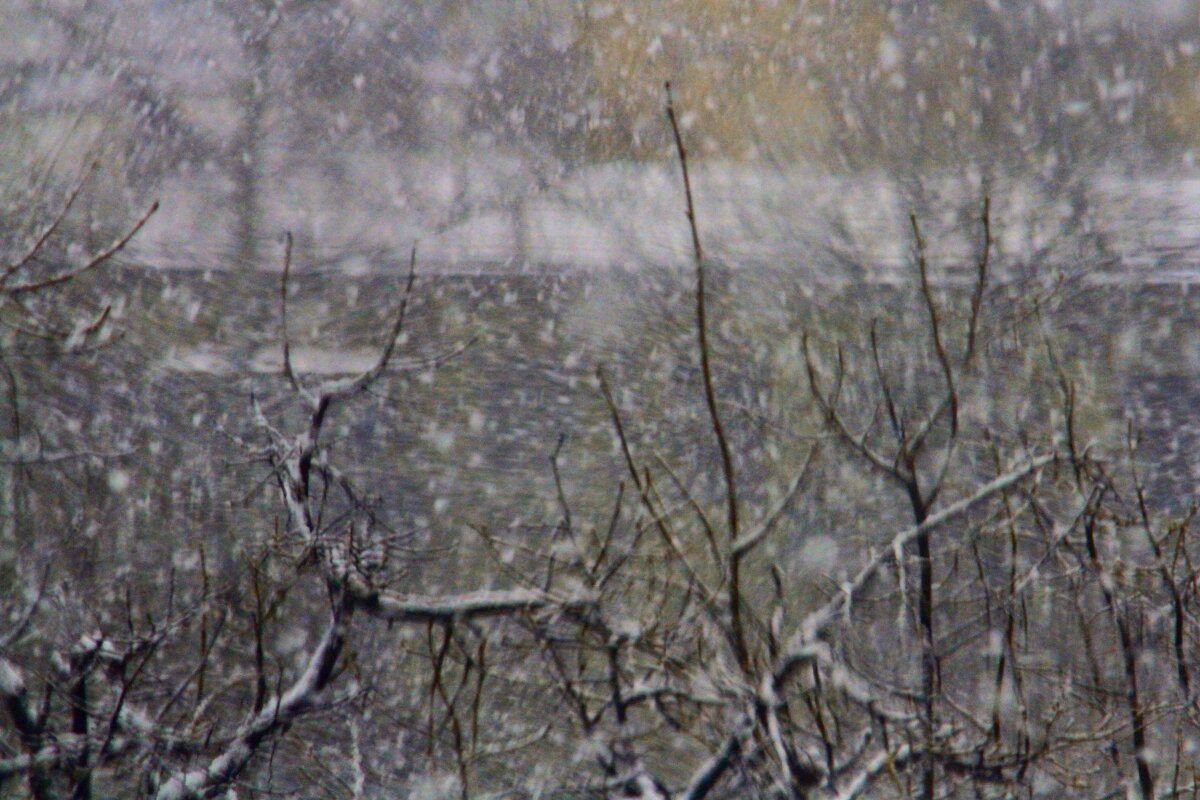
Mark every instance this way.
x=818 y=621
x=288 y=371
x=95 y=261
x=751 y=539
x=347 y=387
x=884 y=761
x=448 y=608
x=935 y=326
x=49 y=230
x=828 y=406
x=278 y=713
x=705 y=778
x=981 y=281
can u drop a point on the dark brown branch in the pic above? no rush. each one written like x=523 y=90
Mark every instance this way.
x=935 y=324
x=49 y=230
x=95 y=261
x=710 y=397
x=288 y=371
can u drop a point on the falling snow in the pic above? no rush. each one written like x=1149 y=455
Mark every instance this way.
x=883 y=471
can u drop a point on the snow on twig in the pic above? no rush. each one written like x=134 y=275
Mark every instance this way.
x=300 y=697
x=426 y=608
x=819 y=620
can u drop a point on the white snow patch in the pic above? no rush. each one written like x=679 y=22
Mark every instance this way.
x=316 y=360
x=890 y=54
x=434 y=787
x=819 y=554
x=118 y=480
x=202 y=358
x=11 y=681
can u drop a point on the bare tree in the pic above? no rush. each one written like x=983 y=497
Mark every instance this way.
x=1005 y=612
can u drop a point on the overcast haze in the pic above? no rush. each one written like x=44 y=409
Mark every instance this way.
x=378 y=421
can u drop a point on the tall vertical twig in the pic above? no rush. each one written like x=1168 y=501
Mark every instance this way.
x=710 y=395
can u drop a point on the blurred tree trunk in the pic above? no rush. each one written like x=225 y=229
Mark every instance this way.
x=248 y=147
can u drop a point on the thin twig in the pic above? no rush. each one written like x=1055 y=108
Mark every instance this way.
x=49 y=230
x=95 y=261
x=288 y=371
x=710 y=397
x=702 y=327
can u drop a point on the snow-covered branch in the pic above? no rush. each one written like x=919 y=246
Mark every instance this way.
x=884 y=761
x=711 y=770
x=448 y=608
x=818 y=621
x=275 y=716
x=16 y=701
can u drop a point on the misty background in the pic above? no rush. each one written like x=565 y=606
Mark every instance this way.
x=507 y=134
x=523 y=150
